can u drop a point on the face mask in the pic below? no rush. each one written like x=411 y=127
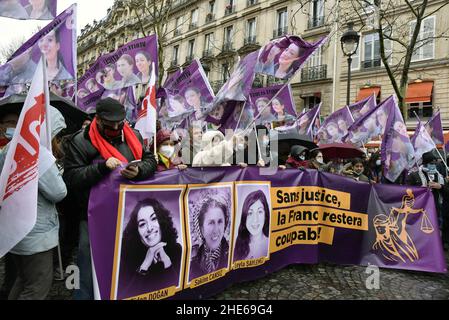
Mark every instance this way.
x=432 y=167
x=9 y=133
x=319 y=160
x=167 y=151
x=378 y=162
x=110 y=132
x=300 y=157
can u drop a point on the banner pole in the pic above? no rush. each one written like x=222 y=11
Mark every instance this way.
x=240 y=117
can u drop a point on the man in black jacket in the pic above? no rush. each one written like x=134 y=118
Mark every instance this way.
x=103 y=146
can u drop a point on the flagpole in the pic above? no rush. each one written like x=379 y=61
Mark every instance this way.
x=240 y=117
x=363 y=144
x=47 y=103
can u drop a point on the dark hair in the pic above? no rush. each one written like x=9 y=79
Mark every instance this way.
x=133 y=250
x=314 y=153
x=145 y=54
x=243 y=237
x=212 y=203
x=127 y=58
x=357 y=160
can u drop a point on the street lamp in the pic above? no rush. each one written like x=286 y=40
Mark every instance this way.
x=349 y=45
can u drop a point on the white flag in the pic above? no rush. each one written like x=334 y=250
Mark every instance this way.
x=146 y=121
x=19 y=177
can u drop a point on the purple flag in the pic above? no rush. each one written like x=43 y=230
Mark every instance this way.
x=422 y=142
x=335 y=127
x=371 y=125
x=282 y=107
x=397 y=152
x=435 y=128
x=189 y=93
x=305 y=123
x=282 y=57
x=362 y=107
x=56 y=41
x=128 y=66
x=28 y=9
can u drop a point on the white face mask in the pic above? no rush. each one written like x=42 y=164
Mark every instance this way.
x=167 y=151
x=378 y=162
x=241 y=146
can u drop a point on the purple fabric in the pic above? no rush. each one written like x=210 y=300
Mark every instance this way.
x=335 y=127
x=305 y=123
x=383 y=207
x=422 y=142
x=21 y=9
x=435 y=128
x=21 y=65
x=371 y=125
x=281 y=58
x=104 y=75
x=362 y=107
x=397 y=152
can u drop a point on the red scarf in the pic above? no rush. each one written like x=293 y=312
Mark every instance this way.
x=107 y=150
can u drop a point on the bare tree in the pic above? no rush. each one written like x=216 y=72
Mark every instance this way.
x=7 y=51
x=399 y=24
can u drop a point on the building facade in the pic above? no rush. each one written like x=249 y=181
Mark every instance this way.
x=219 y=32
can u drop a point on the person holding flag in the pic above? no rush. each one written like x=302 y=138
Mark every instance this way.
x=107 y=144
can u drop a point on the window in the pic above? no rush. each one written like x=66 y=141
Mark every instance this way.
x=211 y=7
x=208 y=41
x=194 y=18
x=355 y=65
x=282 y=21
x=178 y=24
x=175 y=54
x=251 y=29
x=228 y=35
x=224 y=72
x=425 y=43
x=422 y=109
x=316 y=13
x=371 y=46
x=315 y=59
x=191 y=48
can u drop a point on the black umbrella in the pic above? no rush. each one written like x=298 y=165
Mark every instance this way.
x=286 y=140
x=73 y=116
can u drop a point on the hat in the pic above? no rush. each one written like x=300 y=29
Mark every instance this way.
x=162 y=135
x=428 y=157
x=296 y=150
x=110 y=109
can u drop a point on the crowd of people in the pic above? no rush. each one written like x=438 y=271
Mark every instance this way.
x=107 y=143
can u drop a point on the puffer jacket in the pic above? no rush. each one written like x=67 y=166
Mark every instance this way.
x=51 y=190
x=84 y=167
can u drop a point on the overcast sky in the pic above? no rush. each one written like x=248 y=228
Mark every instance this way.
x=88 y=10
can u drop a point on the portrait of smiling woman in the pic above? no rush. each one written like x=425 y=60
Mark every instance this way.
x=150 y=256
x=50 y=46
x=254 y=229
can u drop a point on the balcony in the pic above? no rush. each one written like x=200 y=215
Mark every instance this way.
x=227 y=47
x=208 y=54
x=250 y=40
x=314 y=73
x=177 y=32
x=280 y=32
x=189 y=59
x=250 y=3
x=174 y=63
x=369 y=64
x=210 y=17
x=193 y=25
x=229 y=10
x=315 y=22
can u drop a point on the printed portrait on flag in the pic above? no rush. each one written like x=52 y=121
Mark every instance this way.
x=28 y=9
x=210 y=212
x=128 y=66
x=335 y=127
x=282 y=57
x=56 y=42
x=151 y=245
x=252 y=224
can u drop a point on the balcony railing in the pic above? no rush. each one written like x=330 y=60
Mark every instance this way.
x=177 y=32
x=210 y=17
x=227 y=46
x=314 y=73
x=193 y=25
x=250 y=3
x=280 y=32
x=189 y=58
x=208 y=53
x=174 y=63
x=368 y=64
x=250 y=40
x=229 y=10
x=315 y=22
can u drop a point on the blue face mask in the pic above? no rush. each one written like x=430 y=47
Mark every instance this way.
x=432 y=167
x=9 y=133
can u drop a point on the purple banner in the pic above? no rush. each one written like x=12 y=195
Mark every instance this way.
x=282 y=107
x=307 y=123
x=335 y=127
x=28 y=9
x=128 y=66
x=260 y=225
x=422 y=142
x=362 y=107
x=56 y=41
x=435 y=128
x=281 y=58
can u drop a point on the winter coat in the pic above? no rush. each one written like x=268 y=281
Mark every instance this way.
x=213 y=156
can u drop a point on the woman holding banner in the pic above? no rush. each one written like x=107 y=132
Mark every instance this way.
x=50 y=46
x=212 y=255
x=151 y=256
x=254 y=229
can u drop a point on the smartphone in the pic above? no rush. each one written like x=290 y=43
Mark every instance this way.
x=133 y=163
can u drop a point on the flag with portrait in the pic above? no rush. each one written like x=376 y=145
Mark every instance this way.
x=28 y=9
x=335 y=127
x=422 y=142
x=435 y=128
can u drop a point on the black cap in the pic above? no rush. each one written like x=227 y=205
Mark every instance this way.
x=111 y=110
x=429 y=157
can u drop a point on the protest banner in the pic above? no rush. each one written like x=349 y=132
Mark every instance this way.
x=28 y=9
x=190 y=234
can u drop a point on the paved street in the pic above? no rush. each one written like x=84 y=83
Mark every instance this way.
x=323 y=281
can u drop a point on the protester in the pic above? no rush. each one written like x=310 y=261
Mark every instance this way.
x=355 y=170
x=212 y=255
x=297 y=158
x=316 y=160
x=215 y=150
x=105 y=145
x=8 y=123
x=151 y=255
x=254 y=229
x=166 y=151
x=33 y=255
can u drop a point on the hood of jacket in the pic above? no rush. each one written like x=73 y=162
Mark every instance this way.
x=206 y=141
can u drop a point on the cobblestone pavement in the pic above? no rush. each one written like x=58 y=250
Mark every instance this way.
x=320 y=282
